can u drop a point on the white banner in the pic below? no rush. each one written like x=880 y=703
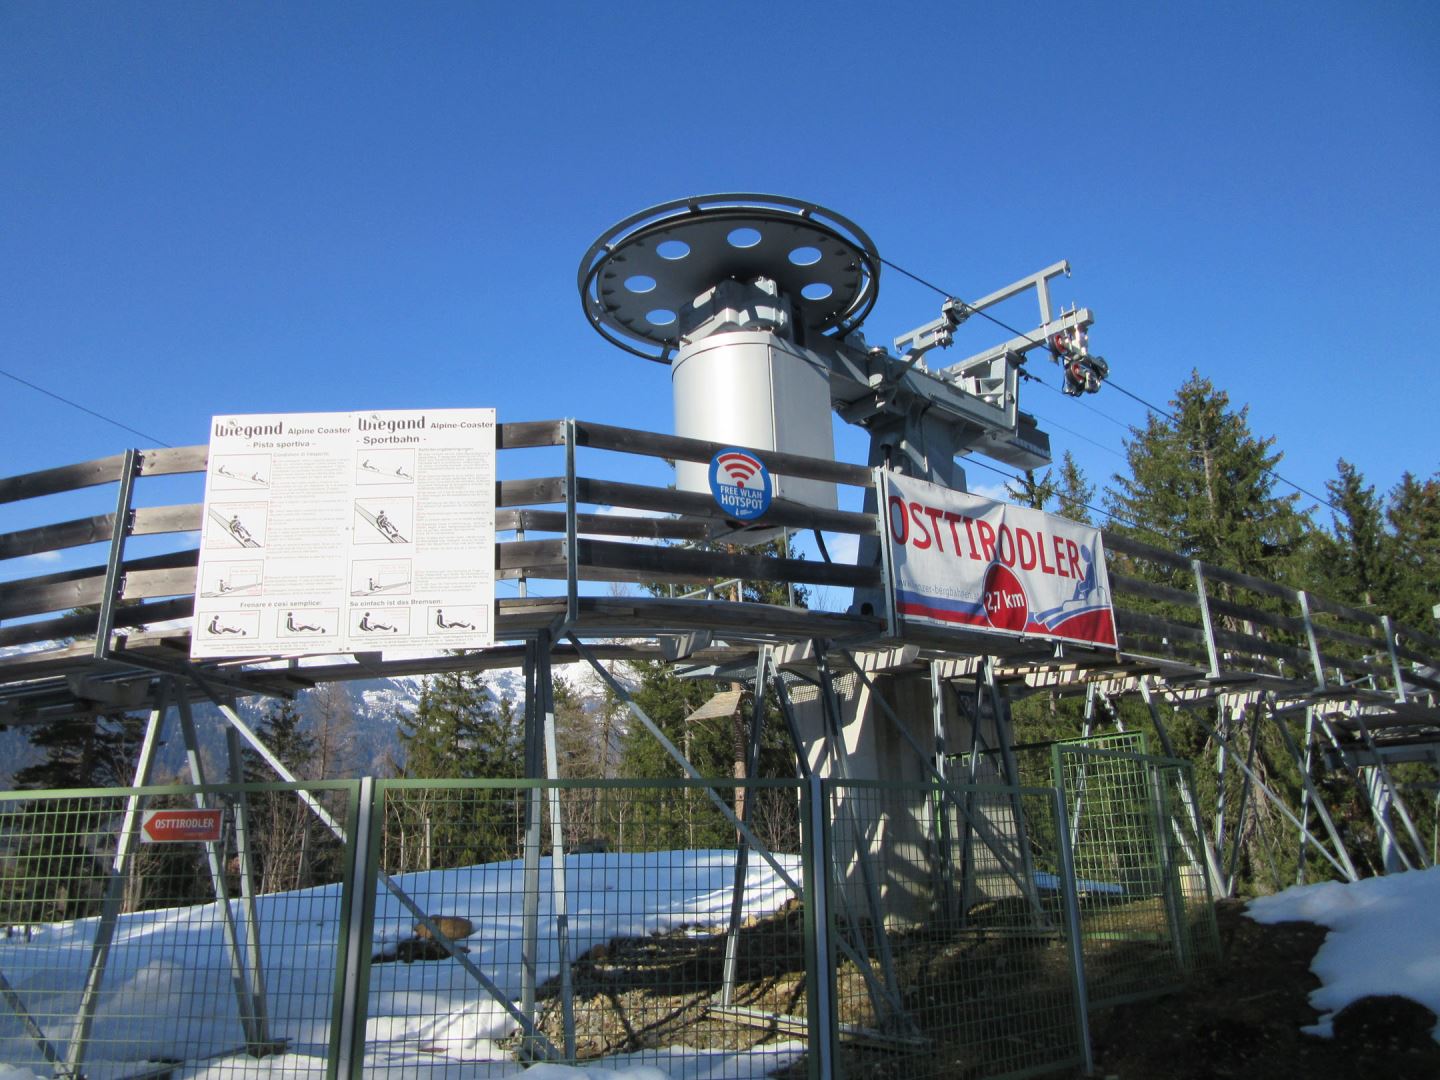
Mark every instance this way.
x=347 y=532
x=966 y=562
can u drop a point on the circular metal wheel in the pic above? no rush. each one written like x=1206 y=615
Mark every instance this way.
x=637 y=278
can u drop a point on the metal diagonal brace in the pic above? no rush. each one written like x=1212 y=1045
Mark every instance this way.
x=690 y=770
x=974 y=821
x=1264 y=790
x=501 y=998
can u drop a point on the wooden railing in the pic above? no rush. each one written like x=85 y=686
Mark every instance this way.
x=1223 y=624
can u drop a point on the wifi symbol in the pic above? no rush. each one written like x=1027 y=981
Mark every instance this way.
x=739 y=467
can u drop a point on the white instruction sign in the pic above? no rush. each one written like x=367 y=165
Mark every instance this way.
x=347 y=532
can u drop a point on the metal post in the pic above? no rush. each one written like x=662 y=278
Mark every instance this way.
x=244 y=847
x=530 y=911
x=820 y=968
x=1254 y=719
x=572 y=554
x=880 y=478
x=1222 y=719
x=1305 y=774
x=1388 y=628
x=945 y=862
x=787 y=710
x=349 y=1035
x=558 y=884
x=1165 y=863
x=1069 y=892
x=1204 y=601
x=742 y=853
x=1311 y=640
x=1192 y=800
x=215 y=859
x=115 y=561
x=115 y=885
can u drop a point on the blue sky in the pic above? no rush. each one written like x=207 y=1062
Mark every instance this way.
x=211 y=208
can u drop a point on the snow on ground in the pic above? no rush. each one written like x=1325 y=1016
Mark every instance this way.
x=1384 y=938
x=167 y=990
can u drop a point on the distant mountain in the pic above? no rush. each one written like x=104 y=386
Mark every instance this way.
x=372 y=741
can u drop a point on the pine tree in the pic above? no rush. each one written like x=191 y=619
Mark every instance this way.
x=1066 y=493
x=1074 y=494
x=1414 y=516
x=59 y=849
x=457 y=731
x=1202 y=485
x=289 y=848
x=1355 y=561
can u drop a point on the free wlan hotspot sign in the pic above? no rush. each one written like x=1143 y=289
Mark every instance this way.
x=740 y=483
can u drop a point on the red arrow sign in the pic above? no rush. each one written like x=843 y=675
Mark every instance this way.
x=180 y=826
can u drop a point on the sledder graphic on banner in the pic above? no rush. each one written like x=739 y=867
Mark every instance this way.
x=963 y=561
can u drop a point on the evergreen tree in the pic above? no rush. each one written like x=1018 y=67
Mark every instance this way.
x=1355 y=562
x=1074 y=494
x=1201 y=484
x=1066 y=493
x=290 y=849
x=1414 y=516
x=59 y=849
x=458 y=731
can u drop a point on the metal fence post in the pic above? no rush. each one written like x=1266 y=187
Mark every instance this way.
x=1068 y=890
x=357 y=923
x=820 y=958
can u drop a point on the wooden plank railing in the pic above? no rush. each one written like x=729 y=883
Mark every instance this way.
x=1256 y=627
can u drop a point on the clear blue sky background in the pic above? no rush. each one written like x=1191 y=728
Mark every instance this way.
x=215 y=208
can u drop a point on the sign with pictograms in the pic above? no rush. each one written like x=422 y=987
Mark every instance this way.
x=347 y=532
x=963 y=561
x=180 y=826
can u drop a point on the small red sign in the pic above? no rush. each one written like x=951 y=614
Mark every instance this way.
x=1006 y=605
x=180 y=826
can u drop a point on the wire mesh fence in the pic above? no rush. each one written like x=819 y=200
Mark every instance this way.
x=762 y=928
x=638 y=946
x=950 y=940
x=1145 y=912
x=137 y=937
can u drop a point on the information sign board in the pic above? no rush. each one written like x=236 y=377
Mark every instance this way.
x=347 y=532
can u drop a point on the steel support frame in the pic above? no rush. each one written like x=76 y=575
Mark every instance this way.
x=1310 y=793
x=885 y=996
x=742 y=852
x=1023 y=880
x=1388 y=784
x=78 y=1043
x=541 y=761
x=1264 y=790
x=252 y=1012
x=355 y=1020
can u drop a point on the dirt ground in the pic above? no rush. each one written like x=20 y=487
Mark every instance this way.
x=1241 y=1019
x=1244 y=1020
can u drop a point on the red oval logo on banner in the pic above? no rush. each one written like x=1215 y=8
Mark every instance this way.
x=1005 y=604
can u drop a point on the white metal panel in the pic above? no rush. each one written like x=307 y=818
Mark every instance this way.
x=748 y=388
